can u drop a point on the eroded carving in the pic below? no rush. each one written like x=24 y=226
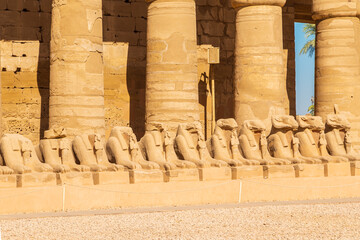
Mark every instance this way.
x=57 y=151
x=191 y=146
x=19 y=154
x=90 y=151
x=338 y=137
x=312 y=139
x=158 y=147
x=253 y=143
x=124 y=149
x=225 y=144
x=282 y=142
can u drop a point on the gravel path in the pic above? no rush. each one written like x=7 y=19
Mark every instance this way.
x=322 y=221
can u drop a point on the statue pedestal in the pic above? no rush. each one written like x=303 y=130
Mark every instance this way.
x=247 y=172
x=75 y=178
x=337 y=169
x=182 y=175
x=355 y=168
x=309 y=170
x=213 y=173
x=146 y=176
x=120 y=177
x=36 y=179
x=279 y=171
x=8 y=181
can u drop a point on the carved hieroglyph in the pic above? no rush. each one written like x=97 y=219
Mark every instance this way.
x=312 y=139
x=337 y=75
x=19 y=154
x=90 y=151
x=57 y=151
x=283 y=143
x=171 y=71
x=123 y=149
x=191 y=146
x=338 y=137
x=76 y=67
x=253 y=143
x=225 y=143
x=158 y=146
x=260 y=85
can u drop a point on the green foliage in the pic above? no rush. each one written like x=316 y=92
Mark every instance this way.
x=311 y=109
x=309 y=47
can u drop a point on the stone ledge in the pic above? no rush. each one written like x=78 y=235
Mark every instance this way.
x=146 y=176
x=279 y=171
x=213 y=173
x=309 y=170
x=247 y=172
x=337 y=169
x=36 y=179
x=72 y=197
x=120 y=177
x=75 y=178
x=180 y=175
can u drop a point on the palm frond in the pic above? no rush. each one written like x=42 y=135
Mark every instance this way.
x=308 y=48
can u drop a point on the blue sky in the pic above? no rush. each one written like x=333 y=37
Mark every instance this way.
x=305 y=69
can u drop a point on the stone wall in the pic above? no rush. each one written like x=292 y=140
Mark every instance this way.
x=26 y=90
x=25 y=65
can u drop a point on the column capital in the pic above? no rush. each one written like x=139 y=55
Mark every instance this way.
x=246 y=3
x=323 y=9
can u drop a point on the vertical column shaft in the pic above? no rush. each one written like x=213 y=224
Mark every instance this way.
x=260 y=81
x=171 y=74
x=76 y=67
x=337 y=61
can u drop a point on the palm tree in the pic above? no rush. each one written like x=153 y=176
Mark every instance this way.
x=309 y=47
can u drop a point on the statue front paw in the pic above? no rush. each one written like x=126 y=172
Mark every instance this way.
x=21 y=169
x=6 y=170
x=80 y=168
x=218 y=163
x=97 y=168
x=43 y=167
x=61 y=168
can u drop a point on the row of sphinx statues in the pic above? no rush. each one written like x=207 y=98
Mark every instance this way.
x=305 y=139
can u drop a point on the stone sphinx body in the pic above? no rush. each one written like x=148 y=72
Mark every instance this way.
x=338 y=137
x=225 y=144
x=191 y=146
x=282 y=142
x=312 y=139
x=19 y=154
x=158 y=147
x=57 y=151
x=90 y=151
x=253 y=143
x=123 y=149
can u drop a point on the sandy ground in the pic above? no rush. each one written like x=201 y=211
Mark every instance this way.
x=307 y=221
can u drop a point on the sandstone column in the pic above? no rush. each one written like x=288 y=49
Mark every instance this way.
x=337 y=57
x=171 y=74
x=76 y=67
x=260 y=81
